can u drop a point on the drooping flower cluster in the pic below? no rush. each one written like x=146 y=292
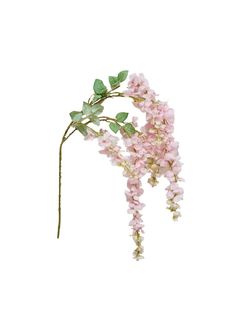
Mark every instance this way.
x=135 y=206
x=153 y=150
x=161 y=156
x=134 y=168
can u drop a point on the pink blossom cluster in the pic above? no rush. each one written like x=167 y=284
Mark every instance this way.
x=132 y=195
x=134 y=169
x=151 y=150
x=110 y=147
x=159 y=147
x=136 y=147
x=154 y=150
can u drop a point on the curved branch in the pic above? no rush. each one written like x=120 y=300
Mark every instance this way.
x=64 y=138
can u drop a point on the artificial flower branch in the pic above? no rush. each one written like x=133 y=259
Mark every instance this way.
x=152 y=149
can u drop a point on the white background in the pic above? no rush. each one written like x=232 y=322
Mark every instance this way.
x=51 y=51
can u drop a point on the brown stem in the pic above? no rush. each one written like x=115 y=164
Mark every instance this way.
x=70 y=134
x=108 y=96
x=64 y=138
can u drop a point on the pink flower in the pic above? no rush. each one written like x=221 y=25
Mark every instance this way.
x=135 y=121
x=90 y=136
x=110 y=148
x=106 y=139
x=132 y=195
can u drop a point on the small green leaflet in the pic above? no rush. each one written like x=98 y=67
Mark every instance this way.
x=129 y=129
x=114 y=127
x=76 y=115
x=87 y=109
x=82 y=128
x=95 y=120
x=114 y=81
x=97 y=108
x=123 y=75
x=121 y=116
x=96 y=97
x=99 y=87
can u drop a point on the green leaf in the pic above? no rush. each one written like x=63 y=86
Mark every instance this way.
x=95 y=120
x=87 y=109
x=129 y=129
x=99 y=87
x=97 y=97
x=114 y=127
x=97 y=108
x=123 y=75
x=114 y=81
x=121 y=116
x=76 y=115
x=82 y=128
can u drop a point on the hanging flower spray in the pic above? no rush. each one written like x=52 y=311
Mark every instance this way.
x=149 y=150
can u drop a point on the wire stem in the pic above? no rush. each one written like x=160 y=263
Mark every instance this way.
x=64 y=138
